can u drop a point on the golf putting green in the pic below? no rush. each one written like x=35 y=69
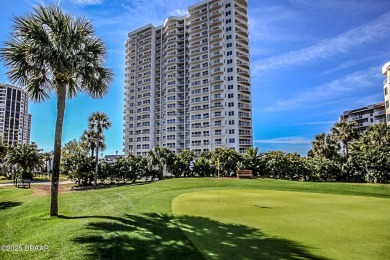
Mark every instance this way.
x=258 y=224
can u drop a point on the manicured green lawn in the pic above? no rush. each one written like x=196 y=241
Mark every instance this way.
x=201 y=218
x=36 y=178
x=286 y=224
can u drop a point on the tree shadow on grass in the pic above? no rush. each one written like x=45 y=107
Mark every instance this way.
x=158 y=236
x=9 y=204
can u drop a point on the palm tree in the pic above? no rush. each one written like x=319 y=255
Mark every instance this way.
x=48 y=158
x=97 y=122
x=50 y=50
x=26 y=156
x=228 y=159
x=159 y=158
x=88 y=140
x=324 y=145
x=3 y=153
x=345 y=131
x=252 y=159
x=378 y=135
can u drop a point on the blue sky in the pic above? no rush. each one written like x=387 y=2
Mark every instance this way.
x=310 y=61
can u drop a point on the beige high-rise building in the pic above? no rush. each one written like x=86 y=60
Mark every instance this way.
x=15 y=121
x=386 y=90
x=187 y=82
x=366 y=116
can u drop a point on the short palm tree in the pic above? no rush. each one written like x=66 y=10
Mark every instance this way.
x=88 y=140
x=345 y=131
x=97 y=122
x=378 y=135
x=158 y=158
x=324 y=145
x=51 y=51
x=26 y=156
x=252 y=159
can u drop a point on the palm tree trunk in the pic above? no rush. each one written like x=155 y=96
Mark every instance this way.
x=96 y=166
x=57 y=149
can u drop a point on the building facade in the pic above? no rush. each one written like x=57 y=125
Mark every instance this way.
x=366 y=116
x=386 y=90
x=187 y=82
x=15 y=121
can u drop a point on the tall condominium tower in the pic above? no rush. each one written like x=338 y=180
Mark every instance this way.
x=386 y=90
x=187 y=82
x=15 y=121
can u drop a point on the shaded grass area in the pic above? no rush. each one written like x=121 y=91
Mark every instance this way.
x=158 y=236
x=136 y=222
x=9 y=204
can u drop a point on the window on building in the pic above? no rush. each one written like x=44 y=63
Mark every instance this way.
x=385 y=91
x=228 y=21
x=387 y=103
x=230 y=86
x=230 y=70
x=227 y=5
x=228 y=13
x=228 y=28
x=229 y=61
x=228 y=37
x=231 y=113
x=231 y=140
x=231 y=131
x=230 y=95
x=231 y=104
x=229 y=45
x=231 y=122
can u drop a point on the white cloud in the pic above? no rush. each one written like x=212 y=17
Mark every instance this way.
x=370 y=99
x=368 y=33
x=315 y=123
x=178 y=12
x=354 y=6
x=87 y=2
x=295 y=144
x=317 y=95
x=341 y=66
x=265 y=26
x=284 y=140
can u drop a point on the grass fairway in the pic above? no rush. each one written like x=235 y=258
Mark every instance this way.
x=181 y=219
x=284 y=225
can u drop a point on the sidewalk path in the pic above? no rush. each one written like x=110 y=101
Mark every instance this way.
x=36 y=183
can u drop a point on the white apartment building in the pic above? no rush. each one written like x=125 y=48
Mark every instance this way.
x=187 y=82
x=386 y=90
x=366 y=116
x=15 y=121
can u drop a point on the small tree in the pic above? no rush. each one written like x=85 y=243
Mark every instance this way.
x=252 y=160
x=159 y=158
x=97 y=122
x=276 y=164
x=228 y=159
x=26 y=156
x=76 y=163
x=345 y=131
x=370 y=154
